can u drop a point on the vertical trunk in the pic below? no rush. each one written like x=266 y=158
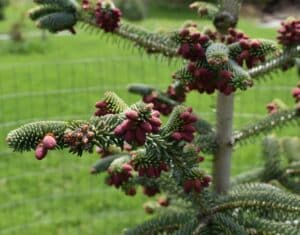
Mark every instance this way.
x=222 y=158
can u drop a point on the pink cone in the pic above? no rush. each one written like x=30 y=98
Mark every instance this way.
x=131 y=114
x=49 y=142
x=40 y=152
x=140 y=136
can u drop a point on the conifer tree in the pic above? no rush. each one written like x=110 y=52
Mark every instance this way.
x=139 y=150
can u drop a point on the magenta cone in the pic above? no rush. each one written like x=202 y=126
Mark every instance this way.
x=49 y=142
x=129 y=136
x=155 y=121
x=146 y=126
x=131 y=114
x=140 y=135
x=40 y=152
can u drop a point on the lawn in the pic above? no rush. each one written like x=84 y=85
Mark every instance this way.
x=57 y=195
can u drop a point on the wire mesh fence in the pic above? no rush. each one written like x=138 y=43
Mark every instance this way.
x=57 y=195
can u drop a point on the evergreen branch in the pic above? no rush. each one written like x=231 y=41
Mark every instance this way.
x=291 y=148
x=103 y=164
x=40 y=11
x=28 y=136
x=290 y=184
x=227 y=224
x=164 y=223
x=267 y=227
x=228 y=15
x=247 y=177
x=271 y=153
x=274 y=63
x=266 y=198
x=257 y=187
x=57 y=21
x=263 y=47
x=151 y=42
x=265 y=125
x=141 y=89
x=187 y=228
x=203 y=127
x=145 y=90
x=65 y=4
x=207 y=142
x=205 y=9
x=232 y=6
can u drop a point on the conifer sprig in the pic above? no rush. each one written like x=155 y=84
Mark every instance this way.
x=266 y=125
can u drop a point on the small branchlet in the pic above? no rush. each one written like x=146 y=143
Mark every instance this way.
x=154 y=149
x=266 y=125
x=204 y=9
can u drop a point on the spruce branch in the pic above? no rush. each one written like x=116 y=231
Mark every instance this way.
x=207 y=142
x=225 y=223
x=247 y=177
x=187 y=228
x=40 y=11
x=64 y=4
x=103 y=164
x=228 y=15
x=276 y=62
x=151 y=42
x=271 y=153
x=291 y=148
x=289 y=183
x=167 y=223
x=255 y=187
x=266 y=125
x=205 y=9
x=274 y=171
x=258 y=47
x=263 y=198
x=57 y=21
x=27 y=137
x=232 y=6
x=145 y=90
x=256 y=225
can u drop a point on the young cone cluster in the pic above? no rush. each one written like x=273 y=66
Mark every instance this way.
x=137 y=124
x=174 y=93
x=196 y=185
x=158 y=104
x=233 y=36
x=177 y=93
x=289 y=33
x=192 y=44
x=206 y=81
x=153 y=171
x=119 y=176
x=150 y=191
x=80 y=139
x=48 y=143
x=107 y=15
x=246 y=56
x=213 y=35
x=186 y=130
x=102 y=109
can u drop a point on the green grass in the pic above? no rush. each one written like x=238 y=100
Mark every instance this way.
x=57 y=195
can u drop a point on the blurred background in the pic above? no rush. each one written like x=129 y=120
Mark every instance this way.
x=58 y=77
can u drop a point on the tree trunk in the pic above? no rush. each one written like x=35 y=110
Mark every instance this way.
x=222 y=158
